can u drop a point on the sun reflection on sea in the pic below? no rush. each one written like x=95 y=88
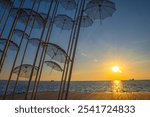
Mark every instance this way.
x=117 y=86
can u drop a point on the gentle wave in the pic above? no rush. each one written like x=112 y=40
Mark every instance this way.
x=82 y=86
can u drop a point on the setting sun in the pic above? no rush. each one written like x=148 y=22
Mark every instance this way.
x=116 y=69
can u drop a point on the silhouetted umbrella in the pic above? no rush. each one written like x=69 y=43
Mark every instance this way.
x=56 y=52
x=64 y=22
x=25 y=70
x=100 y=9
x=12 y=45
x=35 y=42
x=45 y=16
x=54 y=65
x=69 y=4
x=86 y=21
x=20 y=33
x=24 y=13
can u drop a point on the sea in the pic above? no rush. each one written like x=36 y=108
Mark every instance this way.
x=82 y=86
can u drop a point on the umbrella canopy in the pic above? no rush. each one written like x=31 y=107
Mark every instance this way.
x=24 y=13
x=20 y=33
x=69 y=4
x=45 y=17
x=56 y=52
x=100 y=9
x=25 y=70
x=64 y=22
x=12 y=45
x=86 y=21
x=35 y=42
x=54 y=65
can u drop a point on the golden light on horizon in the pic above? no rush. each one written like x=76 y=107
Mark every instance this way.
x=116 y=69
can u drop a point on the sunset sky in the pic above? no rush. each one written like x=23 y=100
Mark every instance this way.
x=122 y=40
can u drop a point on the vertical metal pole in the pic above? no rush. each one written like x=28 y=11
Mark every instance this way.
x=74 y=51
x=8 y=18
x=35 y=59
x=44 y=50
x=34 y=85
x=67 y=60
x=26 y=25
x=13 y=94
x=4 y=13
x=70 y=51
x=9 y=38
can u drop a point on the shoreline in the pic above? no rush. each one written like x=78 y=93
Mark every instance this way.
x=52 y=95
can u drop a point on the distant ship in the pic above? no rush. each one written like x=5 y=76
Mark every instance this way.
x=132 y=79
x=52 y=80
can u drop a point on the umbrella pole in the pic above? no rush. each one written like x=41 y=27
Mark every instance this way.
x=24 y=53
x=35 y=59
x=9 y=38
x=22 y=38
x=36 y=78
x=74 y=51
x=44 y=50
x=69 y=54
x=3 y=14
x=67 y=61
x=8 y=18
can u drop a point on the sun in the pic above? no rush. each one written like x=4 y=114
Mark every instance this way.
x=116 y=69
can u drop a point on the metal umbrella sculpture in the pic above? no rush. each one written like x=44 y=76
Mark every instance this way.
x=100 y=9
x=35 y=42
x=9 y=14
x=56 y=53
x=29 y=12
x=28 y=20
x=5 y=5
x=86 y=21
x=24 y=16
x=34 y=19
x=89 y=9
x=38 y=49
x=20 y=33
x=25 y=70
x=69 y=4
x=64 y=22
x=66 y=77
x=54 y=65
x=12 y=45
x=45 y=47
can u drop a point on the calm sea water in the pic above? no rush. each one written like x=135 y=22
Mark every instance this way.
x=85 y=86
